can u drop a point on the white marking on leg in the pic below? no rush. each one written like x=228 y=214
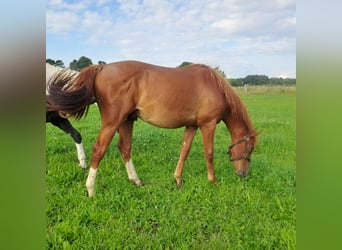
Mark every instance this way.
x=81 y=155
x=132 y=175
x=90 y=184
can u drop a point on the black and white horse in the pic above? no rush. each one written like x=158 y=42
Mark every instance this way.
x=63 y=123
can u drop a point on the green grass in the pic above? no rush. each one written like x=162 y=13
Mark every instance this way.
x=257 y=212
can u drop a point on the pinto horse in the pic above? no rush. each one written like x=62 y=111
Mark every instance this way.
x=193 y=97
x=61 y=122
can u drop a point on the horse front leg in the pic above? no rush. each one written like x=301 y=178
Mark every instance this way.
x=188 y=136
x=208 y=132
x=105 y=136
x=125 y=146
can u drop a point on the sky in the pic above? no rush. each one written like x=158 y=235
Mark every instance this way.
x=241 y=37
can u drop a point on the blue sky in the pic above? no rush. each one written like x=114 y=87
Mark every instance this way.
x=242 y=37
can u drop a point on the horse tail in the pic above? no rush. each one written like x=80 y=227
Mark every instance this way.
x=72 y=95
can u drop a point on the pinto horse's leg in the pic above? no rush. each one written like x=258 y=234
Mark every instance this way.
x=125 y=146
x=208 y=132
x=105 y=136
x=65 y=125
x=188 y=136
x=81 y=155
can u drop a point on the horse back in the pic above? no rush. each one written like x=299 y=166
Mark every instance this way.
x=164 y=97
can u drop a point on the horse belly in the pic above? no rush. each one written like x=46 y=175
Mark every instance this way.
x=177 y=104
x=167 y=118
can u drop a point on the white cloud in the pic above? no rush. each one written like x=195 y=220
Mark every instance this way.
x=64 y=5
x=56 y=21
x=102 y=2
x=168 y=31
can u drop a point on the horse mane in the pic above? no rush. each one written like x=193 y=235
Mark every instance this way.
x=237 y=108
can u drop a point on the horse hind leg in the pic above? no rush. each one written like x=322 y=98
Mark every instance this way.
x=125 y=145
x=188 y=136
x=81 y=155
x=79 y=147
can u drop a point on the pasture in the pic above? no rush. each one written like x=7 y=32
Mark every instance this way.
x=258 y=212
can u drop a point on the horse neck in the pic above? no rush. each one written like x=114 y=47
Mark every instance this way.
x=237 y=119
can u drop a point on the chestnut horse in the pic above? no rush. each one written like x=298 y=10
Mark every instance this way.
x=193 y=97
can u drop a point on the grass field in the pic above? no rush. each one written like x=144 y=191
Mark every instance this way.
x=258 y=212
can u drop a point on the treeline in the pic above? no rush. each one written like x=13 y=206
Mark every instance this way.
x=84 y=62
x=261 y=80
x=79 y=64
x=252 y=79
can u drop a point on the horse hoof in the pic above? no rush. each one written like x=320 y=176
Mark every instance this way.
x=179 y=182
x=90 y=192
x=139 y=183
x=214 y=180
x=83 y=166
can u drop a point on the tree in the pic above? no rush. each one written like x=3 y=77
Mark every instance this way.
x=58 y=63
x=102 y=62
x=282 y=81
x=50 y=61
x=236 y=82
x=73 y=65
x=256 y=80
x=183 y=64
x=221 y=72
x=81 y=63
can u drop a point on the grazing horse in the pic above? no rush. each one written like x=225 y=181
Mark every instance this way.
x=61 y=122
x=193 y=97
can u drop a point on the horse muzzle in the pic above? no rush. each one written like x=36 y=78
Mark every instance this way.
x=242 y=172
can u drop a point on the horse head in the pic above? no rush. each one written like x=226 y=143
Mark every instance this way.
x=240 y=153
